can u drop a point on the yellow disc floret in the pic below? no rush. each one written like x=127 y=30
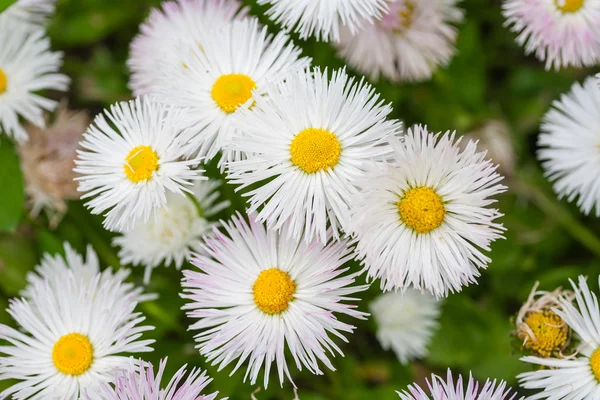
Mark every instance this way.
x=421 y=209
x=546 y=334
x=273 y=290
x=140 y=163
x=231 y=91
x=3 y=81
x=595 y=363
x=73 y=354
x=406 y=14
x=569 y=6
x=315 y=149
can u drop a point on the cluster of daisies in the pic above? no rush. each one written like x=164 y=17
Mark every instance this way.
x=328 y=178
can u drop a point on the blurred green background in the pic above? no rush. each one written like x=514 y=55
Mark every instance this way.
x=489 y=78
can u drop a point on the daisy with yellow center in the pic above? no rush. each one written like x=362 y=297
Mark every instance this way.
x=219 y=78
x=409 y=43
x=422 y=218
x=257 y=294
x=75 y=331
x=304 y=146
x=561 y=33
x=577 y=375
x=130 y=172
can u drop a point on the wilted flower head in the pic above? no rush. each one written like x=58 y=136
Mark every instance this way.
x=494 y=137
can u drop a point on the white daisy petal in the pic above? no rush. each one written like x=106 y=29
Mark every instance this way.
x=132 y=160
x=409 y=43
x=214 y=80
x=323 y=18
x=305 y=145
x=562 y=33
x=423 y=219
x=569 y=142
x=32 y=14
x=257 y=295
x=27 y=66
x=167 y=27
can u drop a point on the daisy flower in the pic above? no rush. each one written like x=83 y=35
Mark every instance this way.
x=174 y=24
x=542 y=331
x=26 y=66
x=56 y=268
x=173 y=232
x=32 y=13
x=139 y=382
x=132 y=160
x=409 y=43
x=304 y=146
x=448 y=390
x=323 y=18
x=561 y=33
x=405 y=322
x=423 y=218
x=73 y=334
x=569 y=142
x=215 y=80
x=258 y=295
x=576 y=377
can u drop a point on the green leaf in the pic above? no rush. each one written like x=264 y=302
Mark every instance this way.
x=17 y=257
x=4 y=4
x=13 y=196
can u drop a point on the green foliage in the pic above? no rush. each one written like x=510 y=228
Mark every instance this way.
x=11 y=201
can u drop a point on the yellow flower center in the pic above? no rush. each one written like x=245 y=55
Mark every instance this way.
x=273 y=290
x=421 y=209
x=3 y=81
x=569 y=6
x=315 y=149
x=406 y=14
x=595 y=363
x=548 y=333
x=231 y=91
x=140 y=163
x=73 y=354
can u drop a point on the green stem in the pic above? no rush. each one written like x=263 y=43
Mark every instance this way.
x=196 y=204
x=553 y=208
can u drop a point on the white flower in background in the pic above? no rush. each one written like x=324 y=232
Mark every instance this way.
x=174 y=24
x=73 y=334
x=304 y=146
x=32 y=14
x=132 y=160
x=138 y=382
x=53 y=269
x=324 y=18
x=257 y=295
x=409 y=43
x=561 y=33
x=423 y=218
x=449 y=390
x=214 y=80
x=575 y=377
x=405 y=322
x=569 y=145
x=173 y=232
x=494 y=137
x=27 y=66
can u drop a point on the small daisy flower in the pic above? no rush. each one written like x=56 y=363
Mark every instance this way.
x=138 y=382
x=258 y=295
x=405 y=322
x=561 y=33
x=323 y=18
x=409 y=43
x=56 y=268
x=32 y=13
x=72 y=336
x=448 y=390
x=423 y=218
x=132 y=160
x=304 y=146
x=171 y=25
x=173 y=232
x=214 y=81
x=576 y=377
x=27 y=66
x=542 y=331
x=569 y=142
